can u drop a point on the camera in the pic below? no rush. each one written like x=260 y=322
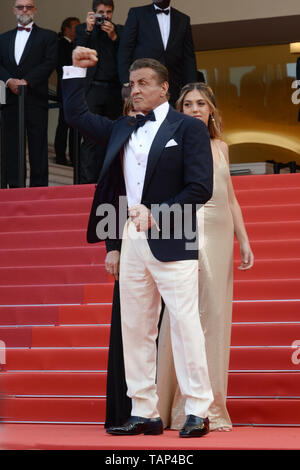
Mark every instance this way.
x=100 y=19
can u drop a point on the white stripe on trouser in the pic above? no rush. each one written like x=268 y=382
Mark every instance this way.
x=143 y=280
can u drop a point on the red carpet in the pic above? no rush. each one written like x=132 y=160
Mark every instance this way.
x=55 y=302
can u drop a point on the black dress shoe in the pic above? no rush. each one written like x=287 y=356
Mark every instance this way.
x=138 y=425
x=195 y=427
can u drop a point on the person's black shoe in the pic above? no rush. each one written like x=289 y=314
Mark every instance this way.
x=194 y=427
x=138 y=425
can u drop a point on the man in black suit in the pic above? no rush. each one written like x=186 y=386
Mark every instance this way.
x=65 y=49
x=162 y=33
x=156 y=163
x=103 y=88
x=28 y=55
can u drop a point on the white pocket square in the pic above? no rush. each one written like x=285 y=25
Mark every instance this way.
x=171 y=143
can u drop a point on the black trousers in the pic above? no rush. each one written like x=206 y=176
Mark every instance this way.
x=64 y=135
x=36 y=125
x=106 y=101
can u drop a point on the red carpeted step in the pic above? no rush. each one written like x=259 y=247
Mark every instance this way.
x=262 y=182
x=268 y=384
x=41 y=239
x=273 y=230
x=270 y=269
x=43 y=222
x=53 y=383
x=272 y=249
x=266 y=311
x=282 y=212
x=70 y=336
x=260 y=358
x=51 y=192
x=98 y=292
x=270 y=289
x=54 y=409
x=85 y=314
x=79 y=359
x=265 y=334
x=32 y=275
x=259 y=197
x=56 y=336
x=29 y=315
x=80 y=255
x=47 y=206
x=264 y=411
x=42 y=294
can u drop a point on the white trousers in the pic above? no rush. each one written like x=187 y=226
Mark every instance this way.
x=143 y=281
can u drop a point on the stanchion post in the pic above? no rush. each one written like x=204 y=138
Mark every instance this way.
x=22 y=137
x=2 y=153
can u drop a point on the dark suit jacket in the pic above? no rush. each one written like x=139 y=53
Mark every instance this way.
x=64 y=57
x=93 y=41
x=37 y=62
x=181 y=174
x=141 y=37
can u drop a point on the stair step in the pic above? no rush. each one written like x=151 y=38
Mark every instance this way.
x=92 y=410
x=38 y=275
x=247 y=384
x=42 y=194
x=269 y=311
x=250 y=182
x=46 y=206
x=55 y=315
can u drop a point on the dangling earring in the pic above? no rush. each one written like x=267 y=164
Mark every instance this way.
x=212 y=118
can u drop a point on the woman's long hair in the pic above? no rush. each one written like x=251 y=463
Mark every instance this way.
x=215 y=121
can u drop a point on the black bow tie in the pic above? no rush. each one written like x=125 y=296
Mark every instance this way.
x=22 y=28
x=140 y=120
x=158 y=11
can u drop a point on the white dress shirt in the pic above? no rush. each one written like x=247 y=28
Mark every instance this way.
x=164 y=22
x=21 y=41
x=136 y=153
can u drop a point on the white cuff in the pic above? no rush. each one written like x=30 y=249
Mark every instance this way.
x=73 y=72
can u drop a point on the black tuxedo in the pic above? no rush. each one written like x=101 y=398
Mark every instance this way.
x=181 y=174
x=65 y=49
x=36 y=64
x=141 y=37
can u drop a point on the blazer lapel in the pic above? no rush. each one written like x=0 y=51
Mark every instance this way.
x=11 y=46
x=164 y=134
x=154 y=26
x=29 y=44
x=174 y=28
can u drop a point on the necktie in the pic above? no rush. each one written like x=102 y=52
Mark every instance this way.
x=140 y=120
x=158 y=11
x=22 y=28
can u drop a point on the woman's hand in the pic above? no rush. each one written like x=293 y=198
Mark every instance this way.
x=247 y=257
x=112 y=263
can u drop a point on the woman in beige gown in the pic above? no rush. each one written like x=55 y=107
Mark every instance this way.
x=222 y=218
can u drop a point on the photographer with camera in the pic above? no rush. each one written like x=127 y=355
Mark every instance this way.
x=103 y=88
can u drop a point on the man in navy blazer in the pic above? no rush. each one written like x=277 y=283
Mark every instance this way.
x=166 y=37
x=28 y=55
x=159 y=161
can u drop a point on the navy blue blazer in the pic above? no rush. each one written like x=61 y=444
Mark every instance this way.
x=181 y=174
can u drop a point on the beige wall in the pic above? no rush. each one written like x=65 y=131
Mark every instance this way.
x=52 y=12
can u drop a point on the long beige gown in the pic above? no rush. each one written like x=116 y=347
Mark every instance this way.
x=215 y=308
